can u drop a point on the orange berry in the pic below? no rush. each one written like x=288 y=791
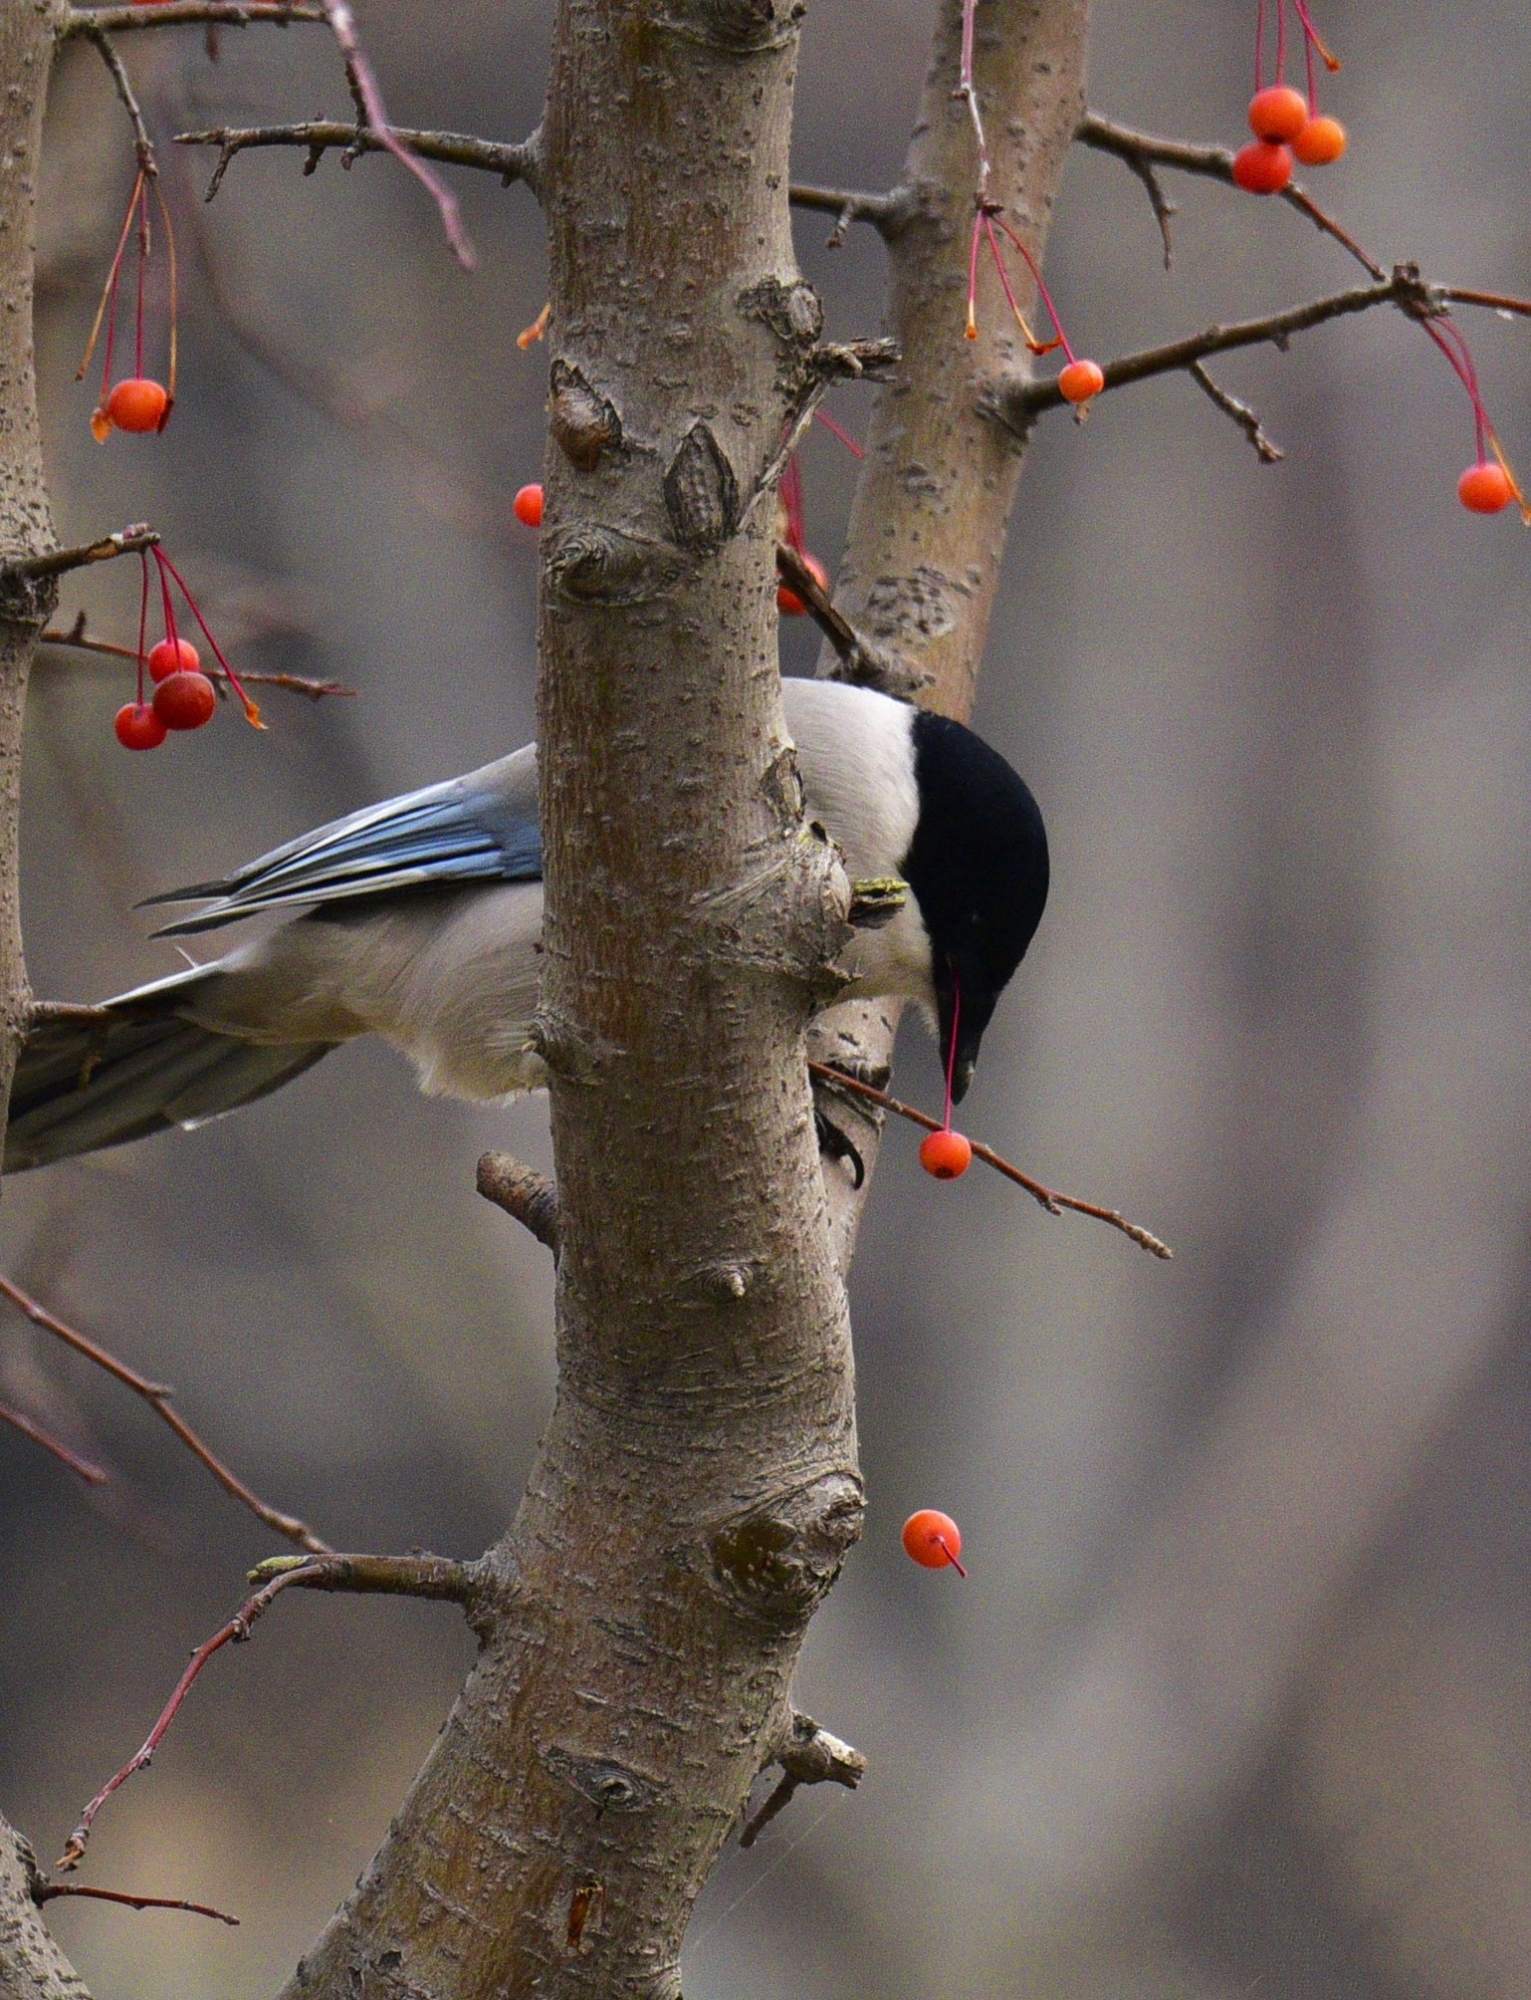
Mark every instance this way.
x=1320 y=142
x=100 y=424
x=1485 y=488
x=1278 y=113
x=1260 y=168
x=527 y=506
x=173 y=656
x=138 y=404
x=946 y=1155
x=933 y=1540
x=1080 y=381
x=185 y=701
x=139 y=728
x=787 y=599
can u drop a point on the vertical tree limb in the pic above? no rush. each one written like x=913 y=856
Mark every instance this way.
x=27 y=32
x=932 y=508
x=697 y=1487
x=31 y=1965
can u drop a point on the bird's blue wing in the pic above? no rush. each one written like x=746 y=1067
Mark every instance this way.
x=479 y=828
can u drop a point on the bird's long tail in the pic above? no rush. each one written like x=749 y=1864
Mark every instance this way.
x=90 y=1077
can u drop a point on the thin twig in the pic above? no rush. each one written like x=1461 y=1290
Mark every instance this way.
x=434 y=1577
x=1240 y=412
x=157 y=1395
x=46 y=1891
x=1049 y=1198
x=237 y=1628
x=862 y=663
x=189 y=13
x=83 y=1468
x=373 y=113
x=76 y=640
x=126 y=542
x=143 y=145
x=809 y=1756
x=1461 y=295
x=512 y=161
x=1143 y=150
x=1017 y=403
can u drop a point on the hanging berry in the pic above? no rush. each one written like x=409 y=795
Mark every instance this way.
x=1320 y=142
x=933 y=1540
x=138 y=727
x=139 y=402
x=1281 y=116
x=527 y=506
x=946 y=1155
x=1261 y=168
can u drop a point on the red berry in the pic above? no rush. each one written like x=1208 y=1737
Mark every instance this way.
x=946 y=1155
x=139 y=728
x=185 y=701
x=787 y=599
x=1080 y=381
x=1485 y=488
x=933 y=1540
x=527 y=506
x=1260 y=168
x=173 y=656
x=1320 y=142
x=1278 y=113
x=138 y=404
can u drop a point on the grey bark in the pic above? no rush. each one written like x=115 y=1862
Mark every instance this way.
x=31 y=1965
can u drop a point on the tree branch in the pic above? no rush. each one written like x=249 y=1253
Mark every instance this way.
x=860 y=661
x=32 y=1967
x=523 y=1193
x=82 y=1468
x=45 y=1892
x=511 y=161
x=143 y=145
x=808 y=1756
x=887 y=213
x=1017 y=403
x=1144 y=151
x=187 y=13
x=156 y=1394
x=58 y=562
x=1240 y=412
x=78 y=641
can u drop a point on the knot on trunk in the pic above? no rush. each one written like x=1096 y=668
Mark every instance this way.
x=584 y=422
x=778 y=1560
x=789 y=915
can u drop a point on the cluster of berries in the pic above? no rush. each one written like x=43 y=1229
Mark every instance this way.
x=184 y=696
x=1286 y=127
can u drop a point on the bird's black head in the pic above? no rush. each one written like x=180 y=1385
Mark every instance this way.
x=978 y=869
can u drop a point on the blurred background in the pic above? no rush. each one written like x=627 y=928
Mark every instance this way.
x=1234 y=1701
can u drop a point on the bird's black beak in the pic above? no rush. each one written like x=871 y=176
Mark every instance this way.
x=963 y=1001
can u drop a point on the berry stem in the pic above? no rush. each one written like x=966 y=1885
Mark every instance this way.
x=252 y=713
x=1047 y=297
x=143 y=266
x=836 y=430
x=970 y=331
x=940 y=1542
x=109 y=292
x=143 y=621
x=1280 y=41
x=1260 y=47
x=951 y=1054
